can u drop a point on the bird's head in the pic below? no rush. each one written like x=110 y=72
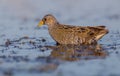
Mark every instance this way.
x=48 y=19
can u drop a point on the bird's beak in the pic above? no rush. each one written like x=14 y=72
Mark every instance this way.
x=40 y=23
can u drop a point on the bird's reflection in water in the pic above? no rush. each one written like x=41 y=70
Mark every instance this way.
x=74 y=52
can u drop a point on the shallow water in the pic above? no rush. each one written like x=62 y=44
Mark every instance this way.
x=34 y=55
x=29 y=51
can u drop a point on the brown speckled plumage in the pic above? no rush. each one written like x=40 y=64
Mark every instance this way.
x=68 y=34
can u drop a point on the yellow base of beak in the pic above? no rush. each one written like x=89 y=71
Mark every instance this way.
x=40 y=23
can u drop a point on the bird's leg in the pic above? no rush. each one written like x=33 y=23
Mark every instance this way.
x=57 y=43
x=92 y=41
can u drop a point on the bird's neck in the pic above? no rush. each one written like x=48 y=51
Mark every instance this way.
x=53 y=25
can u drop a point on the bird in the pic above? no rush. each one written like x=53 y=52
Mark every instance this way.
x=71 y=34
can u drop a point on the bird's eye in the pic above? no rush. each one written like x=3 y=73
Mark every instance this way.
x=45 y=19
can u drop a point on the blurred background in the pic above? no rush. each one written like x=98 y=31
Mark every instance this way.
x=19 y=18
x=77 y=12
